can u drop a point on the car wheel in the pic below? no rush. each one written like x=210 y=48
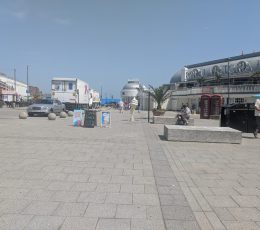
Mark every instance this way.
x=30 y=114
x=51 y=110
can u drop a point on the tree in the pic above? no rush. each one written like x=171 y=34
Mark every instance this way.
x=160 y=95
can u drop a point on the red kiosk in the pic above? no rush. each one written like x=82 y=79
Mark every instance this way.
x=217 y=101
x=210 y=105
x=205 y=106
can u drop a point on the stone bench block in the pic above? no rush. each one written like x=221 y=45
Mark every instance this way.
x=202 y=134
x=169 y=120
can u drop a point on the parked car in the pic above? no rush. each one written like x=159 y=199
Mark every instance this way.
x=45 y=106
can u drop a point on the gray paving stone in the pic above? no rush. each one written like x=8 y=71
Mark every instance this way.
x=224 y=214
x=122 y=180
x=177 y=212
x=78 y=177
x=119 y=198
x=140 y=224
x=143 y=180
x=238 y=225
x=45 y=222
x=14 y=221
x=167 y=190
x=245 y=214
x=113 y=171
x=60 y=185
x=112 y=188
x=41 y=208
x=131 y=211
x=132 y=188
x=101 y=210
x=79 y=223
x=81 y=187
x=153 y=212
x=100 y=178
x=65 y=196
x=181 y=225
x=94 y=197
x=13 y=206
x=145 y=199
x=71 y=209
x=113 y=224
x=247 y=201
x=173 y=199
x=39 y=194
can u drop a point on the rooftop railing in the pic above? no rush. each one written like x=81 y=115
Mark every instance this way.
x=220 y=89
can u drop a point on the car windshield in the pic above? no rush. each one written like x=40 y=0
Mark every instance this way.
x=44 y=101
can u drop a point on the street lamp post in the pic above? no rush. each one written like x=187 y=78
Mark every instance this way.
x=228 y=83
x=27 y=81
x=148 y=107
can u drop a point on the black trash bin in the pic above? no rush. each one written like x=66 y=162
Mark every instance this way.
x=239 y=116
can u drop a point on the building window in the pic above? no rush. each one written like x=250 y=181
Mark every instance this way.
x=239 y=100
x=57 y=87
x=70 y=86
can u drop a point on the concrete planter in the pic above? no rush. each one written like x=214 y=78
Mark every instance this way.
x=160 y=112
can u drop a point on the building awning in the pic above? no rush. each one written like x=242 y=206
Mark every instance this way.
x=8 y=92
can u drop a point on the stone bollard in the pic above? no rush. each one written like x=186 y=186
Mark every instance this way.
x=70 y=114
x=23 y=115
x=52 y=116
x=63 y=115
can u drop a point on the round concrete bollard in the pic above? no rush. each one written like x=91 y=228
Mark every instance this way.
x=63 y=115
x=23 y=115
x=70 y=113
x=52 y=116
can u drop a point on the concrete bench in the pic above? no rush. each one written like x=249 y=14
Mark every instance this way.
x=169 y=120
x=202 y=134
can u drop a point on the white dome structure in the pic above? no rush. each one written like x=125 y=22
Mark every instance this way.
x=130 y=90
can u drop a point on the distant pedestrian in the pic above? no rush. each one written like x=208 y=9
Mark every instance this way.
x=257 y=116
x=121 y=106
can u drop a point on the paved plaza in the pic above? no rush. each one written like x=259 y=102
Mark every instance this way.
x=127 y=177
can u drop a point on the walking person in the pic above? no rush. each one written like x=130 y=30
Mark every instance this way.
x=121 y=106
x=257 y=116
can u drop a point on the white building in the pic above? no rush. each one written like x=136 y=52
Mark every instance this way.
x=11 y=90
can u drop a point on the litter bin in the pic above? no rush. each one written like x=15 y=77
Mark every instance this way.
x=239 y=116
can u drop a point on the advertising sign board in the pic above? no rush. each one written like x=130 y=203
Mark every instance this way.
x=77 y=117
x=105 y=119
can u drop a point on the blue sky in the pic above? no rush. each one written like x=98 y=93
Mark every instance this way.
x=106 y=42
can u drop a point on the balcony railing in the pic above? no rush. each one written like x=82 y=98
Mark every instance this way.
x=221 y=89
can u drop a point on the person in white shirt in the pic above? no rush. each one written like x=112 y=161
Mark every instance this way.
x=121 y=106
x=257 y=116
x=185 y=113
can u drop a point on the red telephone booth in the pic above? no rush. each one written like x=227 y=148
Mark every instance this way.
x=205 y=106
x=217 y=102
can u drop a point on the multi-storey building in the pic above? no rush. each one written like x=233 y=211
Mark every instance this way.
x=236 y=78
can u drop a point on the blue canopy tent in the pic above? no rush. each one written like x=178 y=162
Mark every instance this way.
x=107 y=101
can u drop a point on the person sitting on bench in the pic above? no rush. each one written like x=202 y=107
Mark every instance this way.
x=185 y=115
